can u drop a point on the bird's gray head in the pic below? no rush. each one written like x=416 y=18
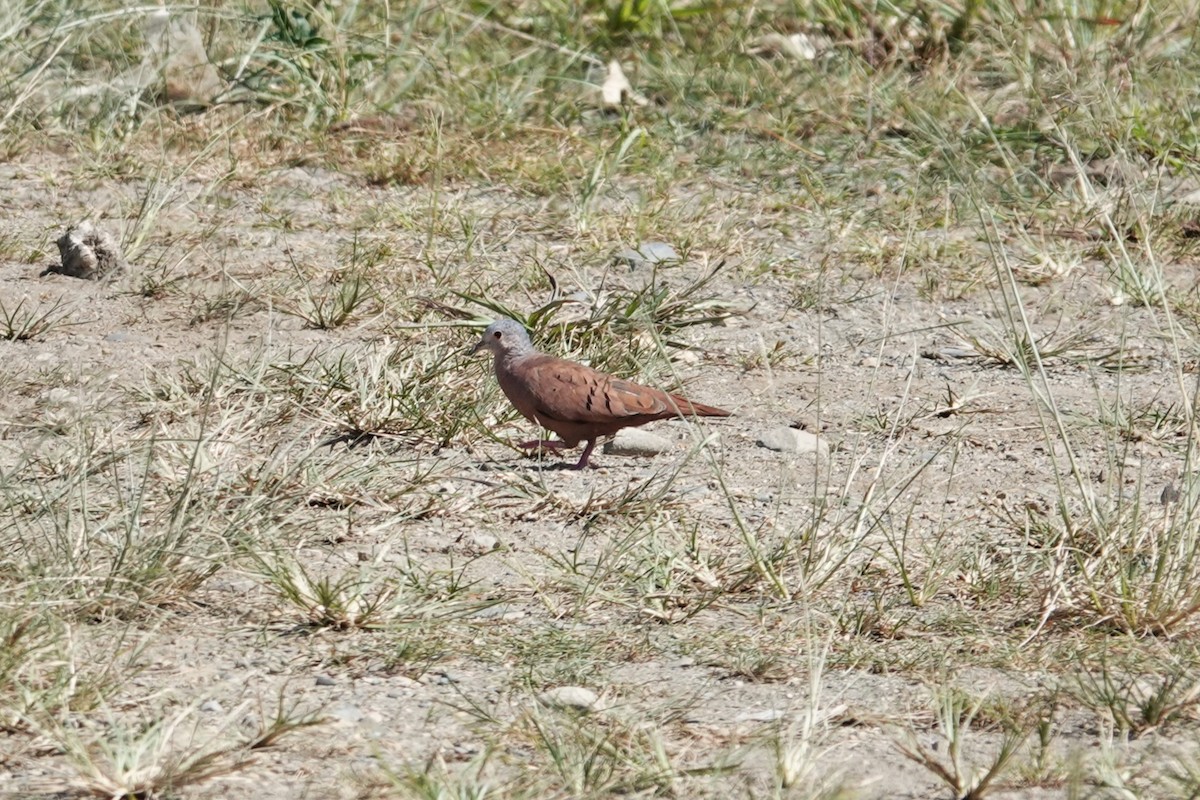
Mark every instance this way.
x=505 y=337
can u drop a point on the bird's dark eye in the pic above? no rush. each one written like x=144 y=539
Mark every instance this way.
x=497 y=334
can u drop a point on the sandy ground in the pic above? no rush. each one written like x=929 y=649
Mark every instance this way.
x=874 y=368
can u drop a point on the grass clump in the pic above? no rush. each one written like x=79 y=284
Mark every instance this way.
x=23 y=321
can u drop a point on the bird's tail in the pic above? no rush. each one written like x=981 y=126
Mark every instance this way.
x=691 y=409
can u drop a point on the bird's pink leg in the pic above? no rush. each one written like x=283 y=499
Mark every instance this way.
x=587 y=451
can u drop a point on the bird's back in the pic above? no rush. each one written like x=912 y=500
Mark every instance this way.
x=578 y=402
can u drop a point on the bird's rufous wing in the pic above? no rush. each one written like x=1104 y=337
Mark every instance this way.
x=564 y=390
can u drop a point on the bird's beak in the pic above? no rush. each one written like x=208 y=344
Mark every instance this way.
x=478 y=346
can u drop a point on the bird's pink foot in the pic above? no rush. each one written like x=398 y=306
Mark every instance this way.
x=587 y=452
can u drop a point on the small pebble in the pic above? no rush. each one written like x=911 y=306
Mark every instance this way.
x=689 y=357
x=61 y=397
x=647 y=254
x=325 y=680
x=437 y=679
x=796 y=46
x=211 y=706
x=574 y=697
x=485 y=542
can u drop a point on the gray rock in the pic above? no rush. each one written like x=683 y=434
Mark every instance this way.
x=647 y=254
x=211 y=706
x=572 y=697
x=88 y=252
x=634 y=442
x=791 y=440
x=325 y=680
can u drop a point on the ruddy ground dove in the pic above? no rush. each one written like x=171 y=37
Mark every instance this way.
x=578 y=403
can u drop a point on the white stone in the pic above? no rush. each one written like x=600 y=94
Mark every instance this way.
x=793 y=440
x=648 y=254
x=635 y=442
x=574 y=697
x=485 y=542
x=797 y=46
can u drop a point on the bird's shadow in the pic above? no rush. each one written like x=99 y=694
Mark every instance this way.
x=533 y=464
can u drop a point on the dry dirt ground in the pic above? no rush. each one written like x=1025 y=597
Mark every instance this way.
x=756 y=623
